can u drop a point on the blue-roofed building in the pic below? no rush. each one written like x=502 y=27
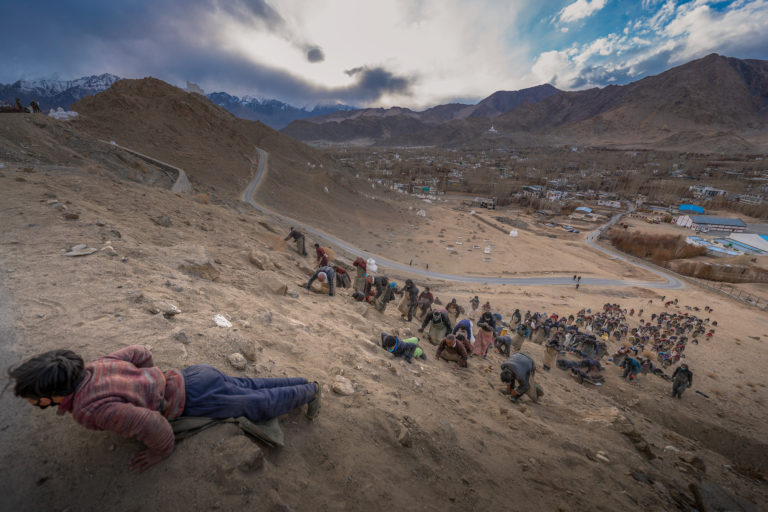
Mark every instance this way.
x=691 y=208
x=704 y=223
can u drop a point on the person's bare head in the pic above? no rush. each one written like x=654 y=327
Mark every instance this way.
x=450 y=340
x=322 y=277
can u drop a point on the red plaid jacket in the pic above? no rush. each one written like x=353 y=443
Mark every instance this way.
x=126 y=393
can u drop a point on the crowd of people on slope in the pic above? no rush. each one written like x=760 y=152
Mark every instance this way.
x=124 y=392
x=655 y=343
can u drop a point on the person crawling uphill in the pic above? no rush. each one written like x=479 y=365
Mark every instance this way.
x=407 y=348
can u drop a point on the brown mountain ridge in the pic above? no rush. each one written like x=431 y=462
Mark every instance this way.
x=711 y=104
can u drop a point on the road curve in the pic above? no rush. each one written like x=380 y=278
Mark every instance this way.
x=668 y=283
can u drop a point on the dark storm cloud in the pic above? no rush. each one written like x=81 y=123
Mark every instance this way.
x=315 y=55
x=377 y=81
x=169 y=39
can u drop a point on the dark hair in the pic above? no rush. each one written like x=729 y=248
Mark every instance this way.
x=389 y=341
x=54 y=373
x=461 y=337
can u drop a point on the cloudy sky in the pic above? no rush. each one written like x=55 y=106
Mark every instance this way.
x=410 y=53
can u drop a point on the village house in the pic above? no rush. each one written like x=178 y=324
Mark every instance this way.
x=704 y=223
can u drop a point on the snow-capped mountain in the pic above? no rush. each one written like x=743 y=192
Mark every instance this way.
x=56 y=93
x=51 y=93
x=274 y=113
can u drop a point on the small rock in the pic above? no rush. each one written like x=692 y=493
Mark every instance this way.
x=163 y=221
x=109 y=251
x=71 y=216
x=238 y=361
x=601 y=456
x=404 y=438
x=166 y=308
x=266 y=318
x=181 y=337
x=343 y=386
x=80 y=250
x=293 y=294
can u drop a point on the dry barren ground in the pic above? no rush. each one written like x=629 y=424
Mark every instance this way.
x=411 y=437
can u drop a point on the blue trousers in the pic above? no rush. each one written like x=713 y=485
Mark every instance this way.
x=211 y=394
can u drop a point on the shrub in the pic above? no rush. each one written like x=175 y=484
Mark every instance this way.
x=657 y=248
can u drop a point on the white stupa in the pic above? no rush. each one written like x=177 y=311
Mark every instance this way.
x=492 y=130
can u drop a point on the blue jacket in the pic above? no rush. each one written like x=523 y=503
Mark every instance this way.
x=464 y=324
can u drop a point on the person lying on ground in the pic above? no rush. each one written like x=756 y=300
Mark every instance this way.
x=407 y=348
x=452 y=350
x=125 y=393
x=520 y=369
x=589 y=369
x=323 y=274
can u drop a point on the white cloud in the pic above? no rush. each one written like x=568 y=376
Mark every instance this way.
x=580 y=9
x=673 y=35
x=453 y=48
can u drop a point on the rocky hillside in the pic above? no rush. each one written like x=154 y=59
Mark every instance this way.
x=218 y=152
x=390 y=435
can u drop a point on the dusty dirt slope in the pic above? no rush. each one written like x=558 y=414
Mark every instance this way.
x=411 y=437
x=217 y=150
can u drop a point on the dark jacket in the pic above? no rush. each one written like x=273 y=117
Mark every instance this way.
x=683 y=374
x=295 y=235
x=413 y=293
x=487 y=322
x=400 y=348
x=521 y=367
x=443 y=318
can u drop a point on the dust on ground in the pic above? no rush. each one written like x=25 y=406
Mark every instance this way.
x=411 y=437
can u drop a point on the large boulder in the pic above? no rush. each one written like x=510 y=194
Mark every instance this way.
x=258 y=259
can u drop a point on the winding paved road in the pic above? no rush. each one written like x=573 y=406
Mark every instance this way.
x=668 y=282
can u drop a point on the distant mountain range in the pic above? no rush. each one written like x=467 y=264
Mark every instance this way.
x=51 y=93
x=55 y=93
x=273 y=113
x=711 y=104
